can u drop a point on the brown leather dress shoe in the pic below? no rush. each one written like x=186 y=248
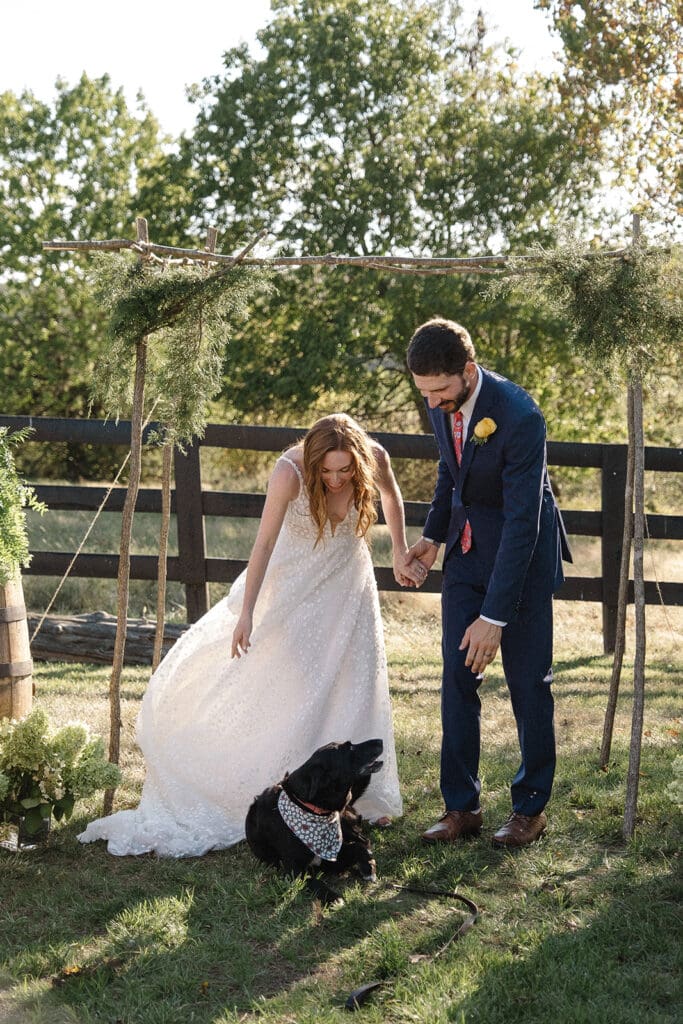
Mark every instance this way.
x=520 y=830
x=454 y=825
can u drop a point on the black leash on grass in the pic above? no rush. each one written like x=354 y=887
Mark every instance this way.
x=360 y=995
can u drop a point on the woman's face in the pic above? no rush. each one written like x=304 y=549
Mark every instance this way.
x=336 y=470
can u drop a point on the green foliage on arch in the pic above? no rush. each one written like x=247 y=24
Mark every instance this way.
x=188 y=314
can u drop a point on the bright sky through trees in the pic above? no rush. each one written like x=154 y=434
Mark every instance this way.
x=161 y=49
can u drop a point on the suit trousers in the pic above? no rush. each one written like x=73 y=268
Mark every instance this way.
x=526 y=651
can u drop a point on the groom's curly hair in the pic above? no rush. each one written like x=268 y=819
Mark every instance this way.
x=439 y=346
x=339 y=432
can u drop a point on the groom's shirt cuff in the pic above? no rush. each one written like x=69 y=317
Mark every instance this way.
x=494 y=622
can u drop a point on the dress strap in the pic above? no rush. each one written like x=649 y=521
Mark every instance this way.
x=291 y=462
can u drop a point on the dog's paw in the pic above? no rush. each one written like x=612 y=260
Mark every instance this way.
x=330 y=900
x=367 y=872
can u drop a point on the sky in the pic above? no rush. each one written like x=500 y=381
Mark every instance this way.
x=161 y=49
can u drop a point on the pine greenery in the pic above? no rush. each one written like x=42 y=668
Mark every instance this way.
x=15 y=497
x=189 y=314
x=624 y=312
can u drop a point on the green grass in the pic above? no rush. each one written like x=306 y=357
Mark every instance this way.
x=580 y=927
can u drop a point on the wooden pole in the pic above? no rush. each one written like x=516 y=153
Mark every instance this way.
x=124 y=551
x=638 y=714
x=211 y=239
x=620 y=633
x=633 y=777
x=164 y=528
x=405 y=264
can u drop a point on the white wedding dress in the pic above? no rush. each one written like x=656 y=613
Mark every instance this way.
x=216 y=731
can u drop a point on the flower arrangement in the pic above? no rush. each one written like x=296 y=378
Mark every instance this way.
x=43 y=773
x=483 y=430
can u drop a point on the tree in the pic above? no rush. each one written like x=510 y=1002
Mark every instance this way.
x=622 y=75
x=73 y=168
x=375 y=127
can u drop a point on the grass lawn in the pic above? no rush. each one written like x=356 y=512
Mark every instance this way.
x=581 y=927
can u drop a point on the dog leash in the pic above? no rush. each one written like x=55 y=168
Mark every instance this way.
x=360 y=995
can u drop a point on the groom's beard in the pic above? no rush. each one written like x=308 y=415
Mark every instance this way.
x=453 y=404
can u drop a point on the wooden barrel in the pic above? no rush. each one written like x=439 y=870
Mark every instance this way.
x=16 y=666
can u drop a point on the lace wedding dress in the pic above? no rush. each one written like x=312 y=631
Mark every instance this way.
x=216 y=731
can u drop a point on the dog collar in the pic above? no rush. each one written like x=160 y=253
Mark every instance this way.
x=321 y=834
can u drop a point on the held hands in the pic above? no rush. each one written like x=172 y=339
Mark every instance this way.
x=409 y=571
x=240 y=637
x=418 y=560
x=482 y=640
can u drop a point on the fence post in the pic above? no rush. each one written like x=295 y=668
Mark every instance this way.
x=191 y=534
x=613 y=487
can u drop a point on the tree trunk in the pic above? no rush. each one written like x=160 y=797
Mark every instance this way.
x=622 y=603
x=633 y=776
x=124 y=561
x=163 y=552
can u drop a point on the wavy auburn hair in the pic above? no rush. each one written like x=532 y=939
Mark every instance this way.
x=339 y=433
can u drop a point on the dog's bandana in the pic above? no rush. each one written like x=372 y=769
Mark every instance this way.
x=321 y=833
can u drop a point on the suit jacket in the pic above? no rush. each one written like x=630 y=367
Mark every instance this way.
x=502 y=487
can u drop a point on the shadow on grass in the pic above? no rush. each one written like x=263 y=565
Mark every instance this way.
x=166 y=940
x=622 y=968
x=177 y=937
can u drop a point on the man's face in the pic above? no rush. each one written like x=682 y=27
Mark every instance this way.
x=447 y=391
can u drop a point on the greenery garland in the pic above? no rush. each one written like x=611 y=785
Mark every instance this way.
x=190 y=314
x=624 y=312
x=15 y=497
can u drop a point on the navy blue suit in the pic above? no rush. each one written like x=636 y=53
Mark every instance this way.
x=509 y=575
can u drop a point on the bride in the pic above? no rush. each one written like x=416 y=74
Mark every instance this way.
x=308 y=664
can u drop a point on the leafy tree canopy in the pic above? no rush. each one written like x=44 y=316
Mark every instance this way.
x=623 y=76
x=375 y=127
x=72 y=168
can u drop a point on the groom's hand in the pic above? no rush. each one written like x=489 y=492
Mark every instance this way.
x=482 y=640
x=409 y=572
x=419 y=559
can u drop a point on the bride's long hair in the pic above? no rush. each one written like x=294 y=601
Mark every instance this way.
x=335 y=433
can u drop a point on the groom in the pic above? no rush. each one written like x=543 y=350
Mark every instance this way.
x=504 y=540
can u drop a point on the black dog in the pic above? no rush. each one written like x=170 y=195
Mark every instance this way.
x=307 y=823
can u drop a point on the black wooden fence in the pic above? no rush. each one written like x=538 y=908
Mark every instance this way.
x=191 y=504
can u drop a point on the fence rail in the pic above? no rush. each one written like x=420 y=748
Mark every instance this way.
x=193 y=568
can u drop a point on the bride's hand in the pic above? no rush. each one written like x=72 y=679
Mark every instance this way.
x=240 y=637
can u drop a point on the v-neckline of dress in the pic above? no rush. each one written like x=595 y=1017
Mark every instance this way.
x=336 y=523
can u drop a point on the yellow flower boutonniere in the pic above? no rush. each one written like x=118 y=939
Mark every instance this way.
x=483 y=430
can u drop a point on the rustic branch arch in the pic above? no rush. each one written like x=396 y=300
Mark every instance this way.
x=487 y=265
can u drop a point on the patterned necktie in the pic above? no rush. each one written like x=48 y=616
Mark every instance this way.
x=466 y=535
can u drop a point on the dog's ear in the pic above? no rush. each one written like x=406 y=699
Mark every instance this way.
x=313 y=779
x=307 y=784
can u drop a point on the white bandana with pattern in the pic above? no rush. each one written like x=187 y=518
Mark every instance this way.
x=321 y=833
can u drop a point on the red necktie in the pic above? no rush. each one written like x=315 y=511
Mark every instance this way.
x=466 y=535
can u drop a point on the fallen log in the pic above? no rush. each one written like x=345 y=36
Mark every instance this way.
x=90 y=638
